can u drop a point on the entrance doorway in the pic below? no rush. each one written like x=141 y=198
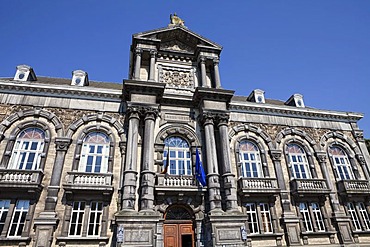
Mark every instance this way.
x=178 y=227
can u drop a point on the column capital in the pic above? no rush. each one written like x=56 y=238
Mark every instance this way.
x=133 y=112
x=321 y=156
x=223 y=119
x=359 y=135
x=150 y=113
x=216 y=61
x=153 y=53
x=62 y=143
x=275 y=155
x=122 y=147
x=202 y=59
x=207 y=118
x=138 y=51
x=361 y=159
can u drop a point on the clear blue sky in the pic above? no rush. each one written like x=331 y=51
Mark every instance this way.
x=319 y=48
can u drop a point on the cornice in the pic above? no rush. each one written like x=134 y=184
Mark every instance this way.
x=288 y=111
x=60 y=91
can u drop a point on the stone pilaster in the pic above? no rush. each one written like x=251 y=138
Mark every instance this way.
x=153 y=55
x=130 y=172
x=138 y=53
x=203 y=72
x=148 y=174
x=216 y=73
x=212 y=164
x=340 y=219
x=228 y=176
x=290 y=220
x=47 y=221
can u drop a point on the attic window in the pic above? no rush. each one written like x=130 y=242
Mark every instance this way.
x=295 y=100
x=79 y=78
x=257 y=96
x=24 y=73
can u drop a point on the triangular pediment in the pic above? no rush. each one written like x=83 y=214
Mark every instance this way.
x=178 y=39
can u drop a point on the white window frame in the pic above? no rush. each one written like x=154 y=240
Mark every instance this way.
x=250 y=160
x=26 y=147
x=318 y=217
x=4 y=211
x=306 y=216
x=180 y=156
x=91 y=152
x=341 y=163
x=298 y=163
x=79 y=210
x=259 y=218
x=21 y=208
x=357 y=210
x=95 y=218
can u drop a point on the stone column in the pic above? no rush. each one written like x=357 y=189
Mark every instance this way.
x=148 y=174
x=137 y=67
x=130 y=173
x=362 y=161
x=212 y=165
x=339 y=217
x=228 y=176
x=217 y=73
x=153 y=54
x=203 y=72
x=47 y=221
x=290 y=219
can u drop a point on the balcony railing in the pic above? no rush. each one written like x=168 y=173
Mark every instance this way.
x=303 y=187
x=166 y=183
x=21 y=179
x=268 y=186
x=352 y=187
x=88 y=181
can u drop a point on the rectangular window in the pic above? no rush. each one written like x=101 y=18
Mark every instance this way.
x=4 y=209
x=78 y=211
x=96 y=212
x=318 y=216
x=19 y=218
x=359 y=216
x=306 y=218
x=259 y=218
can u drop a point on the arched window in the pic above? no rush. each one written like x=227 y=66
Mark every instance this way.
x=341 y=163
x=250 y=160
x=27 y=149
x=298 y=161
x=94 y=153
x=179 y=156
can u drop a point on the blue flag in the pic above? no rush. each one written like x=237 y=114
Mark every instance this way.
x=199 y=171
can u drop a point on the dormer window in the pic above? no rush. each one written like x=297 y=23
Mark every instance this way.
x=24 y=73
x=257 y=96
x=79 y=78
x=295 y=100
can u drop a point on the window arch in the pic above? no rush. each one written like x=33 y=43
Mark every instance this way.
x=298 y=162
x=250 y=160
x=95 y=153
x=179 y=156
x=341 y=163
x=27 y=150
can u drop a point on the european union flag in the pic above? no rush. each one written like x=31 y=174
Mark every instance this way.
x=199 y=171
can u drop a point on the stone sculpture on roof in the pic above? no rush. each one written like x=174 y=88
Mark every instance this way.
x=175 y=20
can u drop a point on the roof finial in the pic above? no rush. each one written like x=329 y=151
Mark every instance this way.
x=176 y=21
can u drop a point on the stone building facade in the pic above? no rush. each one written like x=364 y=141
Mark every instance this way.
x=88 y=163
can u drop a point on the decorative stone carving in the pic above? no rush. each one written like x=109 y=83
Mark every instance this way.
x=275 y=155
x=176 y=78
x=62 y=144
x=175 y=45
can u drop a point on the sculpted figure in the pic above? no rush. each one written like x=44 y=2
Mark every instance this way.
x=175 y=20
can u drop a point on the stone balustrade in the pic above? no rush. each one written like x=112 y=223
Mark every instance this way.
x=248 y=186
x=358 y=187
x=21 y=180
x=175 y=181
x=308 y=186
x=88 y=181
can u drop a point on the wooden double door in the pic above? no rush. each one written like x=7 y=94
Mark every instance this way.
x=178 y=234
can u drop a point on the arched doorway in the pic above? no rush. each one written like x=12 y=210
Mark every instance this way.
x=178 y=227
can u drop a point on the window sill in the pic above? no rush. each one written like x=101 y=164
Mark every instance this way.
x=82 y=239
x=361 y=232
x=257 y=235
x=15 y=239
x=318 y=233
